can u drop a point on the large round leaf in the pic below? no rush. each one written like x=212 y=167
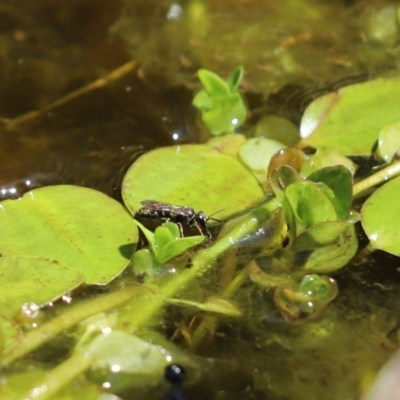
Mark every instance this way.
x=194 y=176
x=379 y=217
x=350 y=119
x=78 y=227
x=35 y=280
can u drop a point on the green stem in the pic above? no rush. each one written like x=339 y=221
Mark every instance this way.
x=59 y=377
x=228 y=292
x=48 y=330
x=202 y=262
x=379 y=177
x=145 y=306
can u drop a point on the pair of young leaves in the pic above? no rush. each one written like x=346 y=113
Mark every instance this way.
x=317 y=212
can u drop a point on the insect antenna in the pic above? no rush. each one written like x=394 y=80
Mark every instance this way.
x=215 y=219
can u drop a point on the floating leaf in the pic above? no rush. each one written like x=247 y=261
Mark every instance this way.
x=379 y=217
x=229 y=144
x=78 y=227
x=279 y=129
x=256 y=153
x=192 y=176
x=350 y=119
x=33 y=280
x=9 y=332
x=389 y=142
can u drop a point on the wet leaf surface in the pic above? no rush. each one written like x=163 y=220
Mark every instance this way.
x=77 y=227
x=350 y=119
x=25 y=279
x=378 y=217
x=192 y=176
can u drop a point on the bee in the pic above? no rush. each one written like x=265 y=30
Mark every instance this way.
x=178 y=214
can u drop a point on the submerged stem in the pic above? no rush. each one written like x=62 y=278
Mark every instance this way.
x=58 y=378
x=71 y=317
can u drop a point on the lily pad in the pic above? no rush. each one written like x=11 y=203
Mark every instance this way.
x=389 y=142
x=9 y=332
x=378 y=217
x=350 y=119
x=193 y=176
x=78 y=227
x=33 y=280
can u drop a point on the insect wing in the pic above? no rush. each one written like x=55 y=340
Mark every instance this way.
x=167 y=208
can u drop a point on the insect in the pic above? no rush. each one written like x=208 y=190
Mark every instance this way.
x=178 y=214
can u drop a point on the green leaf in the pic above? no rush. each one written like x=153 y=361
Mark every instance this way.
x=350 y=119
x=9 y=332
x=309 y=203
x=326 y=157
x=256 y=153
x=144 y=263
x=25 y=279
x=214 y=85
x=177 y=247
x=203 y=101
x=389 y=142
x=379 y=217
x=162 y=237
x=340 y=181
x=226 y=115
x=331 y=257
x=192 y=176
x=282 y=177
x=234 y=79
x=321 y=234
x=78 y=227
x=149 y=235
x=221 y=306
x=278 y=129
x=130 y=353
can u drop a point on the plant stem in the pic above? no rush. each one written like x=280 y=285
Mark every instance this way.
x=379 y=177
x=228 y=292
x=143 y=309
x=45 y=332
x=58 y=378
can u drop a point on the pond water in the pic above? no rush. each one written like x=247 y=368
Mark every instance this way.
x=87 y=86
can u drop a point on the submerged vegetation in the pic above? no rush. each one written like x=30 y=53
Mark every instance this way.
x=255 y=261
